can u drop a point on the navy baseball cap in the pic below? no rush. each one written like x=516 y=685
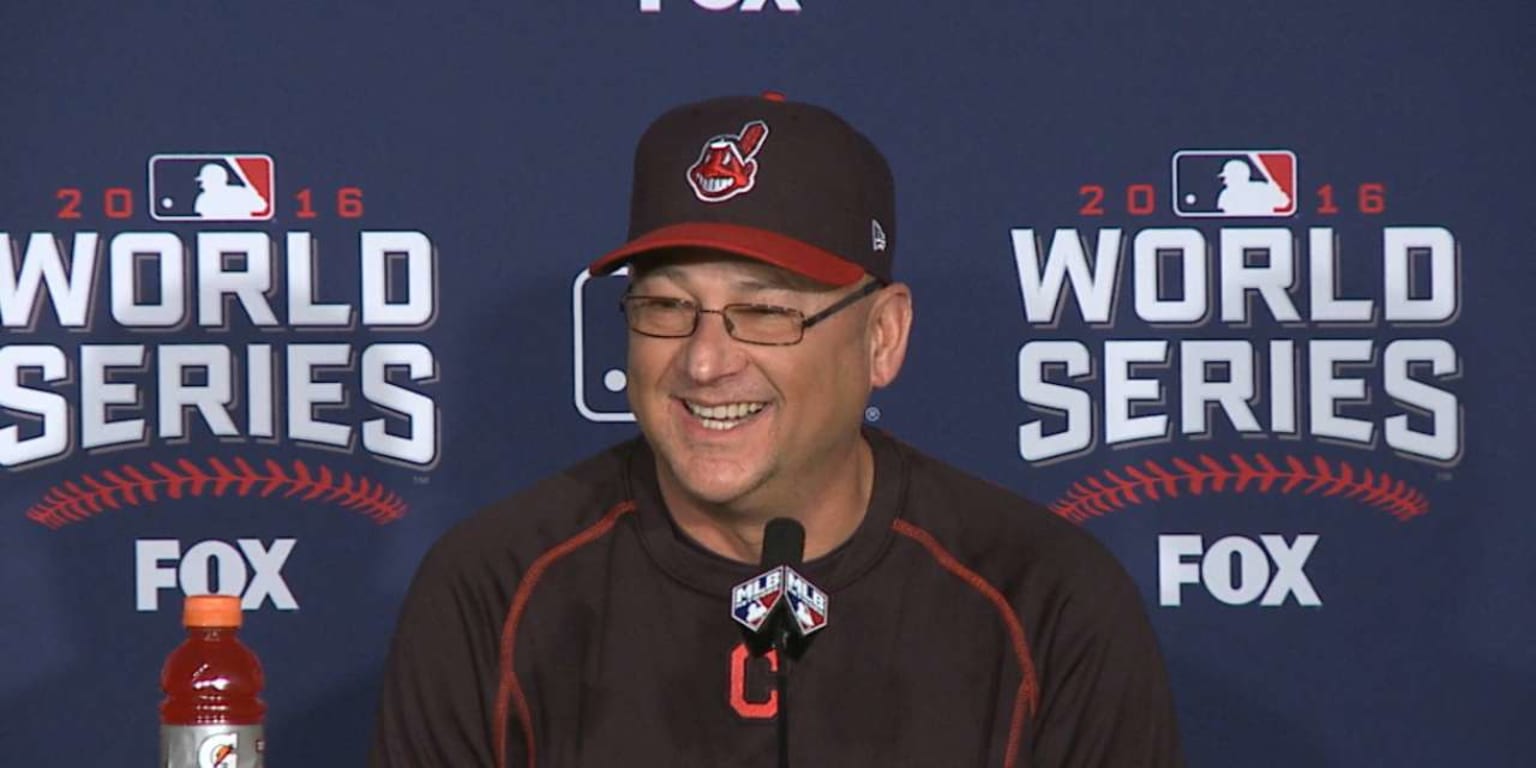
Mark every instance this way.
x=785 y=183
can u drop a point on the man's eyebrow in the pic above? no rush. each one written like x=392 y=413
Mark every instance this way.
x=768 y=283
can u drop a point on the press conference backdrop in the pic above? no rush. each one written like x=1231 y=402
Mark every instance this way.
x=287 y=289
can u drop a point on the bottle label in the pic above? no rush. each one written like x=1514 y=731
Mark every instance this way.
x=211 y=746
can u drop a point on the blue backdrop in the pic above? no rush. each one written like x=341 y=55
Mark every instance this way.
x=1303 y=430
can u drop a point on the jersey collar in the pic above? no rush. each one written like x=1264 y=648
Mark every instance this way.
x=690 y=563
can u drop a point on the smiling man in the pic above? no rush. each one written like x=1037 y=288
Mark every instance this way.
x=756 y=414
x=587 y=620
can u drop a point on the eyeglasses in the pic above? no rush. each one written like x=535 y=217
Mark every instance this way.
x=668 y=318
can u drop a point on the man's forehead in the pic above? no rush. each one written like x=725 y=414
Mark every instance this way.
x=689 y=264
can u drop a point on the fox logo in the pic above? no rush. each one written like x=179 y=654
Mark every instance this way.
x=726 y=167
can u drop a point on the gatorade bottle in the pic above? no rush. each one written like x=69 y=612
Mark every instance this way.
x=211 y=716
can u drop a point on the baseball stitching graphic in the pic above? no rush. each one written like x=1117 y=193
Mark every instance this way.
x=1111 y=490
x=72 y=501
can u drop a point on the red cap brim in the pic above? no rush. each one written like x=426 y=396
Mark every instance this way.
x=759 y=244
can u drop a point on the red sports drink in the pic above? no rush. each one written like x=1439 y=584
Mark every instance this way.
x=212 y=712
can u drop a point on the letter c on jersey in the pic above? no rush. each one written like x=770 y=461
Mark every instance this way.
x=768 y=708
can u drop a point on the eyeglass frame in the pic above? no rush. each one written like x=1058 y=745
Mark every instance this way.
x=806 y=321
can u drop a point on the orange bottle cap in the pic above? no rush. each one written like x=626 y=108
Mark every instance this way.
x=211 y=611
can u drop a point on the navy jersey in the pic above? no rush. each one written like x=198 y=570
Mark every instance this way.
x=573 y=625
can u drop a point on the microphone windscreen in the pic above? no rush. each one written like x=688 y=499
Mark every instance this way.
x=783 y=543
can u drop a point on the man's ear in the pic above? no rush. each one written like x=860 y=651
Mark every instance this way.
x=890 y=325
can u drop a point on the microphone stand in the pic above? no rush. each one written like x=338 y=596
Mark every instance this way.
x=781 y=641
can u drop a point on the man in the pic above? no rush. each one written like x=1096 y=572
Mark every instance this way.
x=585 y=621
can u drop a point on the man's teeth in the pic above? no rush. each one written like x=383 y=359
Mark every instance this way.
x=724 y=416
x=728 y=411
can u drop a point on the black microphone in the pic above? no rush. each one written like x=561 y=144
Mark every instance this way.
x=779 y=609
x=783 y=545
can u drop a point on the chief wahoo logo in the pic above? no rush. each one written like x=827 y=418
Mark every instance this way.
x=726 y=166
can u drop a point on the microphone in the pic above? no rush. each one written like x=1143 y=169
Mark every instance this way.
x=783 y=543
x=779 y=608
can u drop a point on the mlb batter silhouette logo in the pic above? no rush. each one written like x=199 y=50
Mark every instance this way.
x=211 y=187
x=1234 y=183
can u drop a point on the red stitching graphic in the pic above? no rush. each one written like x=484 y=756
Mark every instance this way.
x=1110 y=490
x=72 y=501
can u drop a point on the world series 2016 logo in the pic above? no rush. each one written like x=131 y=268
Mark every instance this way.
x=1188 y=332
x=100 y=370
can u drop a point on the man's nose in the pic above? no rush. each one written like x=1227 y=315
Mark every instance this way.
x=711 y=353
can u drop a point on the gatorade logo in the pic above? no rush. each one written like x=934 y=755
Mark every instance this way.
x=218 y=751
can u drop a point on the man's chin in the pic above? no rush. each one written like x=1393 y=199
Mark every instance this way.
x=715 y=483
x=715 y=490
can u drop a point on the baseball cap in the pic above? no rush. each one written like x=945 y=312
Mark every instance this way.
x=782 y=182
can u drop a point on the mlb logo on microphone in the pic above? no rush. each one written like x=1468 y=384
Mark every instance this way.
x=807 y=603
x=211 y=187
x=753 y=600
x=1234 y=183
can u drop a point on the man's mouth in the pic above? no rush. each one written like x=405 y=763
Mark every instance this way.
x=725 y=416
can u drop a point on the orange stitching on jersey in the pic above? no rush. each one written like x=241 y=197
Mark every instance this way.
x=1027 y=697
x=508 y=688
